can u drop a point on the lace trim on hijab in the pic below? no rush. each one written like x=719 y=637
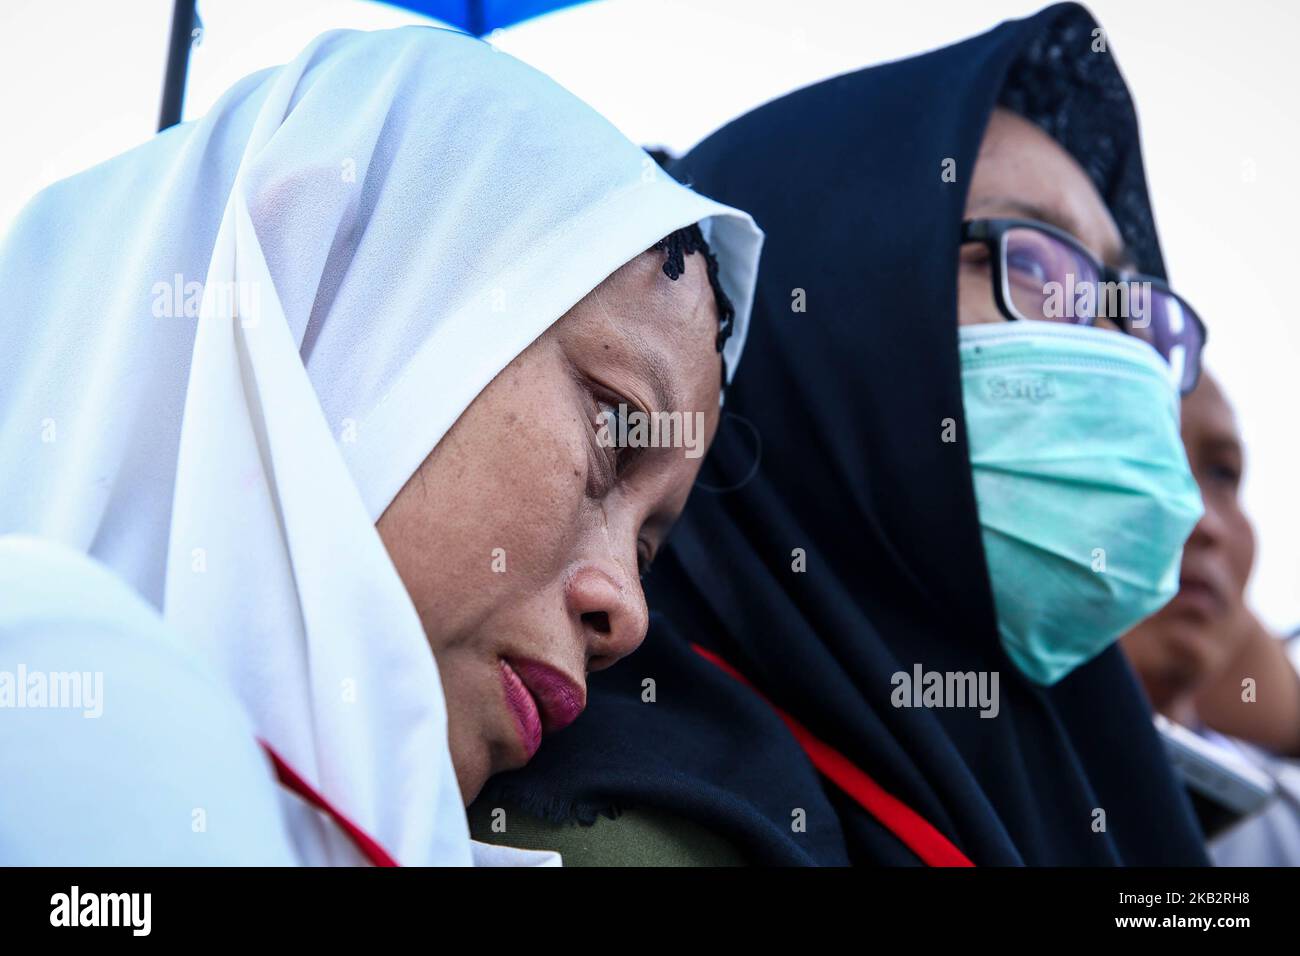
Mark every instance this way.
x=676 y=246
x=1079 y=98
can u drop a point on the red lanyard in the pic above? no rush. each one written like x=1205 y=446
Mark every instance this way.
x=363 y=841
x=898 y=818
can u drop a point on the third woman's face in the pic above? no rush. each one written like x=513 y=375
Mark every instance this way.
x=1197 y=634
x=1023 y=173
x=522 y=537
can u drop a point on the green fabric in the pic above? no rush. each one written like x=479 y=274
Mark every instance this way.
x=636 y=837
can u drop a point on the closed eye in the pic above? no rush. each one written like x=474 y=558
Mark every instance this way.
x=613 y=428
x=610 y=433
x=1226 y=474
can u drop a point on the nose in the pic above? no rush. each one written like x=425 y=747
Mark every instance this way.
x=610 y=609
x=1211 y=530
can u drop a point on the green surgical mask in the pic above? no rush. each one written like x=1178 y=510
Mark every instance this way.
x=1084 y=492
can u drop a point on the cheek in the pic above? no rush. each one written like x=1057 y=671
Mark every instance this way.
x=1240 y=543
x=494 y=513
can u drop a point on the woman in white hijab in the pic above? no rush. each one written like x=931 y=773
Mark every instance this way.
x=322 y=377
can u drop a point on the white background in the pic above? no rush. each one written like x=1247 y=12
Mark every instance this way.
x=1215 y=85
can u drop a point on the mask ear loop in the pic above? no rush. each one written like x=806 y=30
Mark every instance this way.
x=753 y=469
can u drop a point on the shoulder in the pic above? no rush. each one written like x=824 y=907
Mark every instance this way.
x=640 y=836
x=118 y=746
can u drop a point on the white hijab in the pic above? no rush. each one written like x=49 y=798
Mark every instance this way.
x=379 y=227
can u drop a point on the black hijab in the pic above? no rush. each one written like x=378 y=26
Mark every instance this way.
x=832 y=432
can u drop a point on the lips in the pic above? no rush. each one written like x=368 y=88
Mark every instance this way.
x=542 y=699
x=524 y=708
x=558 y=698
x=1201 y=593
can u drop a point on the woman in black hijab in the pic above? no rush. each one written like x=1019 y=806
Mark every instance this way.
x=835 y=542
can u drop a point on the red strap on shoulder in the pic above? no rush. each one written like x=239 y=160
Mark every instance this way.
x=898 y=818
x=365 y=843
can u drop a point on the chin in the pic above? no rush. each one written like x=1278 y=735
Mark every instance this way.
x=1189 y=651
x=473 y=769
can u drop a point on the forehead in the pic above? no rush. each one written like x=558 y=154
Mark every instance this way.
x=1023 y=172
x=1207 y=414
x=648 y=323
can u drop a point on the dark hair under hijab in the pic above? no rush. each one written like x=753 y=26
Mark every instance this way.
x=848 y=401
x=676 y=246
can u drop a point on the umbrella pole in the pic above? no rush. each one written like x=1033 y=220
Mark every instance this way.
x=178 y=63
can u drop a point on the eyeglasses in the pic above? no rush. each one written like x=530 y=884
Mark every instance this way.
x=1044 y=273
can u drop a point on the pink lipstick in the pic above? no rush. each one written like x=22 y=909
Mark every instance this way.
x=559 y=699
x=524 y=708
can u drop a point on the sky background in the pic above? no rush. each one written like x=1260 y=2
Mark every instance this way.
x=1215 y=86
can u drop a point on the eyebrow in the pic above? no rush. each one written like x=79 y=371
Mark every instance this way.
x=660 y=376
x=1222 y=442
x=662 y=381
x=1122 y=257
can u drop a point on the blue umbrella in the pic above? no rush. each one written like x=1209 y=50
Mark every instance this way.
x=483 y=16
x=476 y=17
